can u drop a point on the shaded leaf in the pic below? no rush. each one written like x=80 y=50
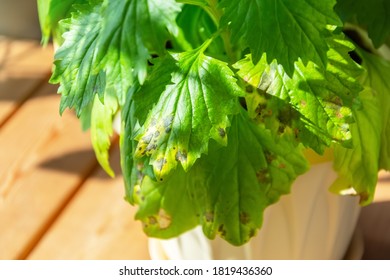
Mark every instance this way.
x=242 y=179
x=378 y=79
x=373 y=15
x=285 y=30
x=358 y=167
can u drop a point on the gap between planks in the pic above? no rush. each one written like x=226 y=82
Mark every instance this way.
x=35 y=145
x=96 y=224
x=25 y=66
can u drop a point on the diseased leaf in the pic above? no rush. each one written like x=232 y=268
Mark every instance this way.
x=373 y=15
x=285 y=30
x=192 y=97
x=108 y=45
x=225 y=191
x=378 y=79
x=358 y=167
x=243 y=178
x=166 y=209
x=106 y=48
x=202 y=144
x=323 y=99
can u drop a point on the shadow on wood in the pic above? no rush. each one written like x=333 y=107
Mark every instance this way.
x=375 y=225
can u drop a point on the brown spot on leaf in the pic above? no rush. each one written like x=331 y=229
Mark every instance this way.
x=337 y=100
x=364 y=196
x=151 y=147
x=147 y=138
x=281 y=128
x=152 y=220
x=221 y=132
x=153 y=122
x=221 y=230
x=263 y=176
x=159 y=164
x=164 y=220
x=260 y=108
x=249 y=89
x=269 y=157
x=296 y=133
x=244 y=218
x=181 y=156
x=339 y=115
x=168 y=121
x=209 y=216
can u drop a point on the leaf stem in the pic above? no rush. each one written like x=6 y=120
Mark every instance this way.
x=211 y=8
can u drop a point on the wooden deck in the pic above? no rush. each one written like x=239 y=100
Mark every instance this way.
x=55 y=200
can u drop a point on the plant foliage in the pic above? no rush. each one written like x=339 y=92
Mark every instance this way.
x=220 y=99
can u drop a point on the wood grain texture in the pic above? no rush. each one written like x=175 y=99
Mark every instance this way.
x=24 y=66
x=37 y=147
x=97 y=224
x=374 y=222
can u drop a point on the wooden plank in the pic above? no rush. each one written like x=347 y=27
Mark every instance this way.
x=11 y=49
x=382 y=192
x=44 y=160
x=24 y=65
x=374 y=222
x=97 y=224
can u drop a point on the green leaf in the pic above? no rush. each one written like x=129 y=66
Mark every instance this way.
x=190 y=97
x=358 y=167
x=134 y=170
x=373 y=15
x=225 y=191
x=106 y=48
x=50 y=13
x=378 y=79
x=166 y=209
x=285 y=30
x=242 y=179
x=131 y=29
x=76 y=67
x=102 y=129
x=129 y=169
x=197 y=27
x=108 y=45
x=323 y=99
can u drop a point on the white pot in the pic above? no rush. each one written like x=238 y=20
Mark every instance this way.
x=309 y=223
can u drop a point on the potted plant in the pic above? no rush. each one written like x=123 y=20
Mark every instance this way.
x=222 y=101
